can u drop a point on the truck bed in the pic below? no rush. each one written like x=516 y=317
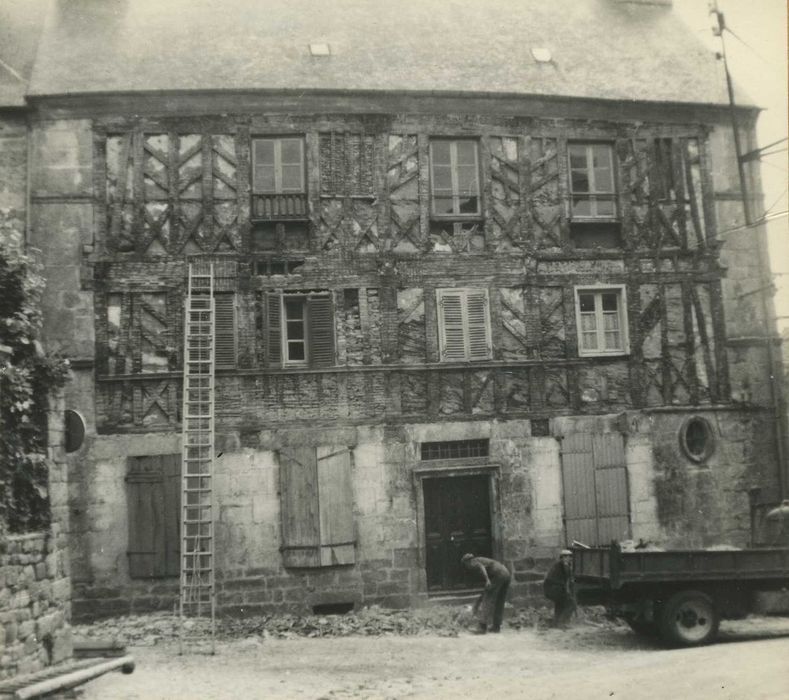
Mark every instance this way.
x=612 y=568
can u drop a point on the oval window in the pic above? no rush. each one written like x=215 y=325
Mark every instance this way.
x=697 y=439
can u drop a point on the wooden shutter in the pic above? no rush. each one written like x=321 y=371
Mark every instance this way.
x=594 y=479
x=225 y=330
x=478 y=324
x=172 y=514
x=317 y=506
x=320 y=331
x=274 y=328
x=335 y=499
x=146 y=508
x=452 y=345
x=299 y=506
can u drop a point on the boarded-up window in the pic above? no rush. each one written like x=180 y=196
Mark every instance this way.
x=347 y=164
x=153 y=489
x=594 y=479
x=300 y=329
x=317 y=506
x=463 y=324
x=225 y=330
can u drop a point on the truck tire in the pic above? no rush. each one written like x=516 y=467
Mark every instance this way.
x=689 y=618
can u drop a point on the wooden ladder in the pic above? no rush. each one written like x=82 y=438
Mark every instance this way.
x=198 y=594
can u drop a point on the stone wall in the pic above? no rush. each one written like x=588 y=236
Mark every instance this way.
x=35 y=589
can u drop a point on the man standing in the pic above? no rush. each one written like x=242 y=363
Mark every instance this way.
x=559 y=588
x=490 y=606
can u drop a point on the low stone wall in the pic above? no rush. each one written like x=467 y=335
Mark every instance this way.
x=34 y=605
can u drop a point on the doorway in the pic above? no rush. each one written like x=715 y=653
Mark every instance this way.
x=457 y=520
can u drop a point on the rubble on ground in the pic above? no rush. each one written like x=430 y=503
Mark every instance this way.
x=446 y=621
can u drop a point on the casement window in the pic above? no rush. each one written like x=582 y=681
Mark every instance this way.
x=225 y=330
x=153 y=487
x=278 y=179
x=454 y=179
x=601 y=315
x=300 y=329
x=463 y=325
x=592 y=188
x=316 y=498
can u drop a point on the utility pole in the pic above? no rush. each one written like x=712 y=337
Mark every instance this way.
x=775 y=366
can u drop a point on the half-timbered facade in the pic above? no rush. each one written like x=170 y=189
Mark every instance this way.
x=486 y=319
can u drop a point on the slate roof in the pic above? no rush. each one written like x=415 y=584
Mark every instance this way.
x=20 y=27
x=600 y=48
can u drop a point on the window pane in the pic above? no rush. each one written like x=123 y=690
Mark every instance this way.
x=467 y=181
x=605 y=207
x=577 y=156
x=294 y=308
x=264 y=178
x=601 y=156
x=442 y=178
x=440 y=152
x=603 y=182
x=581 y=207
x=610 y=301
x=586 y=302
x=588 y=322
x=296 y=351
x=466 y=153
x=295 y=330
x=291 y=151
x=580 y=181
x=589 y=341
x=442 y=205
x=469 y=205
x=611 y=321
x=264 y=152
x=612 y=341
x=291 y=178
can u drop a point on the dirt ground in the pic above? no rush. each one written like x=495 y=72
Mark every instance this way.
x=593 y=659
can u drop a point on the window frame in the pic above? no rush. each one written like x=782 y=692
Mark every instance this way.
x=598 y=290
x=464 y=293
x=277 y=164
x=455 y=215
x=320 y=351
x=285 y=341
x=593 y=194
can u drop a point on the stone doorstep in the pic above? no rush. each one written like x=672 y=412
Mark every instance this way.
x=458 y=598
x=62 y=677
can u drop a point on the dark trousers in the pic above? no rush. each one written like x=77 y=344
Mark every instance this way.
x=563 y=610
x=491 y=604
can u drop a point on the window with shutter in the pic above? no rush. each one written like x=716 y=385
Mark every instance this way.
x=153 y=490
x=225 y=330
x=278 y=182
x=317 y=506
x=300 y=329
x=463 y=325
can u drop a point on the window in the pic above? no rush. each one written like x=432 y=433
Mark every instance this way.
x=278 y=182
x=300 y=329
x=454 y=178
x=697 y=439
x=225 y=330
x=602 y=321
x=316 y=495
x=463 y=325
x=592 y=188
x=154 y=497
x=454 y=449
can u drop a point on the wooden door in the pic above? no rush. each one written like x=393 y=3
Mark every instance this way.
x=457 y=520
x=594 y=480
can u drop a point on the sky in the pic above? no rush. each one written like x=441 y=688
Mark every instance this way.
x=757 y=58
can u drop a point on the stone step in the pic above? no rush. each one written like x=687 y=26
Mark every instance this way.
x=457 y=598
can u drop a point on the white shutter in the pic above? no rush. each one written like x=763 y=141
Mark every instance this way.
x=450 y=325
x=463 y=324
x=478 y=324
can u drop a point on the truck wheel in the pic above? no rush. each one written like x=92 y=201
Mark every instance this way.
x=689 y=618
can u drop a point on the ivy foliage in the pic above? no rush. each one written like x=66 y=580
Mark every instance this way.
x=27 y=376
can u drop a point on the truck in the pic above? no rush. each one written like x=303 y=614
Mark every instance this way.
x=680 y=595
